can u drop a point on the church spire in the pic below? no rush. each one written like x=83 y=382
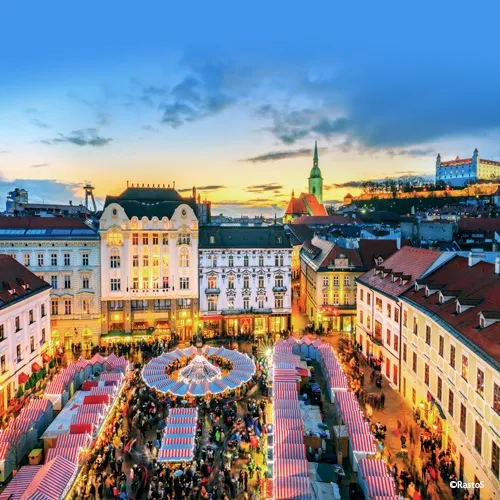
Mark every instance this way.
x=293 y=193
x=315 y=159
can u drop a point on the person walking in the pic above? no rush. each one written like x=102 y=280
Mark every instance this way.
x=382 y=400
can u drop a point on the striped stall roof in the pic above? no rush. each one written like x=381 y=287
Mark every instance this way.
x=292 y=488
x=73 y=441
x=97 y=359
x=288 y=436
x=191 y=412
x=287 y=405
x=172 y=441
x=92 y=408
x=363 y=443
x=17 y=486
x=290 y=451
x=284 y=467
x=71 y=454
x=373 y=467
x=110 y=377
x=175 y=455
x=5 y=448
x=380 y=486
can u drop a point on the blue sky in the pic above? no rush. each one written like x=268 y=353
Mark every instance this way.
x=230 y=97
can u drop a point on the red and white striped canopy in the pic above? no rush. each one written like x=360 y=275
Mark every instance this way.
x=363 y=443
x=380 y=486
x=284 y=467
x=292 y=488
x=85 y=419
x=175 y=455
x=97 y=359
x=289 y=436
x=182 y=420
x=288 y=414
x=110 y=377
x=172 y=441
x=5 y=449
x=287 y=405
x=370 y=467
x=71 y=454
x=294 y=451
x=100 y=391
x=192 y=412
x=17 y=486
x=73 y=441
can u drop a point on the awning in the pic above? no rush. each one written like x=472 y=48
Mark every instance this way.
x=22 y=378
x=35 y=367
x=45 y=357
x=140 y=325
x=162 y=324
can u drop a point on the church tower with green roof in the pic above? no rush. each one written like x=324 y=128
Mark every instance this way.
x=315 y=179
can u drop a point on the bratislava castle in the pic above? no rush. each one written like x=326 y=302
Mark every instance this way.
x=149 y=263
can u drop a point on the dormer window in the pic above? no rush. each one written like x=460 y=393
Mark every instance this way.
x=487 y=318
x=458 y=309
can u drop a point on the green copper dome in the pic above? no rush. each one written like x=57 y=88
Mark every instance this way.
x=315 y=171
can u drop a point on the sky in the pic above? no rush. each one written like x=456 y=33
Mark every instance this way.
x=230 y=96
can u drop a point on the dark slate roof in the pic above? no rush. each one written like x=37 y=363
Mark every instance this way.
x=299 y=233
x=150 y=202
x=244 y=237
x=17 y=282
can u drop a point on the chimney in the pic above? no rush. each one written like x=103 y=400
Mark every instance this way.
x=398 y=242
x=475 y=256
x=497 y=264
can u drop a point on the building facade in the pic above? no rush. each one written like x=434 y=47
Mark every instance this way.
x=65 y=253
x=24 y=326
x=149 y=264
x=451 y=364
x=462 y=171
x=245 y=280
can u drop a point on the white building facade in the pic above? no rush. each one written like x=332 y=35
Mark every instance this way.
x=149 y=264
x=24 y=326
x=65 y=253
x=245 y=280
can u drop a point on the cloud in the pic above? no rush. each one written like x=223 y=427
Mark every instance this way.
x=3 y=151
x=85 y=137
x=40 y=165
x=281 y=155
x=413 y=153
x=214 y=187
x=103 y=118
x=262 y=188
x=149 y=128
x=31 y=111
x=39 y=123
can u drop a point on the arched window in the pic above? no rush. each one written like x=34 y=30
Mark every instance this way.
x=212 y=282
x=261 y=260
x=184 y=261
x=114 y=260
x=212 y=240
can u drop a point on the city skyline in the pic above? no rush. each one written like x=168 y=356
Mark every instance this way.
x=235 y=110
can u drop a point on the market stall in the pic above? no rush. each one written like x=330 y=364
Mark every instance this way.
x=178 y=441
x=17 y=486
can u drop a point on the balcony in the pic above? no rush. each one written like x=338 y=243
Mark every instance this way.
x=212 y=291
x=280 y=288
x=147 y=292
x=250 y=310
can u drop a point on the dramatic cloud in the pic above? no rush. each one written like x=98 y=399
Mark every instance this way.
x=282 y=155
x=263 y=188
x=86 y=137
x=39 y=123
x=39 y=165
x=214 y=187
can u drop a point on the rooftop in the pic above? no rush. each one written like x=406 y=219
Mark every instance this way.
x=324 y=220
x=479 y=224
x=322 y=254
x=372 y=250
x=64 y=228
x=243 y=237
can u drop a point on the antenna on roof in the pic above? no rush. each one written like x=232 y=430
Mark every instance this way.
x=173 y=185
x=127 y=183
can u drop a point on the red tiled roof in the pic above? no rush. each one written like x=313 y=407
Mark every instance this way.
x=478 y=284
x=479 y=224
x=312 y=220
x=313 y=205
x=296 y=207
x=409 y=261
x=41 y=223
x=12 y=276
x=373 y=249
x=456 y=161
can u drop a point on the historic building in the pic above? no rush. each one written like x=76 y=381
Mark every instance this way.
x=378 y=326
x=451 y=363
x=310 y=203
x=149 y=263
x=245 y=280
x=461 y=171
x=64 y=252
x=24 y=326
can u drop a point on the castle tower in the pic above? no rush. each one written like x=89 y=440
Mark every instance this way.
x=315 y=179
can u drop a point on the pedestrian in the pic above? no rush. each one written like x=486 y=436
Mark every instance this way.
x=382 y=400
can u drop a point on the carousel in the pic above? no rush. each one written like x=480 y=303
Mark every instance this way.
x=198 y=371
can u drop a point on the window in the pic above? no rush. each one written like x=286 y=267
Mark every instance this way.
x=155 y=238
x=212 y=282
x=145 y=283
x=261 y=281
x=85 y=306
x=165 y=282
x=145 y=239
x=116 y=305
x=162 y=304
x=115 y=284
x=361 y=317
x=441 y=346
x=495 y=457
x=427 y=334
x=326 y=281
x=27 y=259
x=145 y=260
x=3 y=367
x=478 y=438
x=85 y=259
x=40 y=260
x=335 y=281
x=463 y=418
x=184 y=283
x=135 y=238
x=135 y=283
x=53 y=281
x=368 y=322
x=261 y=260
x=281 y=260
x=452 y=356
x=17 y=323
x=496 y=397
x=245 y=261
x=278 y=302
x=465 y=367
x=378 y=330
x=42 y=310
x=426 y=374
x=415 y=362
x=54 y=307
x=31 y=316
x=114 y=259
x=2 y=332
x=53 y=259
x=405 y=353
x=480 y=382
x=67 y=306
x=230 y=282
x=387 y=368
x=346 y=299
x=246 y=303
x=451 y=402
x=246 y=282
x=439 y=388
x=414 y=396
x=278 y=281
x=18 y=352
x=396 y=315
x=230 y=304
x=415 y=326
x=139 y=305
x=135 y=261
x=389 y=311
x=156 y=261
x=184 y=259
x=67 y=281
x=325 y=299
x=361 y=295
x=368 y=299
x=184 y=239
x=378 y=304
x=347 y=281
x=67 y=259
x=335 y=299
x=212 y=259
x=260 y=302
x=230 y=262
x=212 y=303
x=388 y=337
x=32 y=343
x=405 y=318
x=164 y=239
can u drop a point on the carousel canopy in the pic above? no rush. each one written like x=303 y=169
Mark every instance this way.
x=199 y=370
